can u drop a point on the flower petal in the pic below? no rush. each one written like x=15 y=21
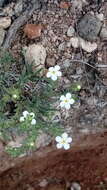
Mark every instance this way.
x=71 y=101
x=68 y=95
x=33 y=122
x=62 y=98
x=58 y=139
x=64 y=135
x=67 y=106
x=59 y=74
x=69 y=140
x=51 y=69
x=22 y=119
x=48 y=74
x=57 y=68
x=25 y=113
x=54 y=77
x=59 y=145
x=62 y=104
x=66 y=146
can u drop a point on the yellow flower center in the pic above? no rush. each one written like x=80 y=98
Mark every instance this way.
x=53 y=72
x=63 y=141
x=66 y=101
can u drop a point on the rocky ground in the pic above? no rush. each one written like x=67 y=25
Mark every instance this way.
x=72 y=34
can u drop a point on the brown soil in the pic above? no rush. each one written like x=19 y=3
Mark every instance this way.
x=85 y=163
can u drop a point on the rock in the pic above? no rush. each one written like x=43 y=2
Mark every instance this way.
x=92 y=101
x=89 y=27
x=5 y=22
x=2 y=2
x=43 y=183
x=42 y=140
x=2 y=35
x=87 y=46
x=75 y=186
x=66 y=64
x=100 y=16
x=64 y=5
x=33 y=31
x=74 y=42
x=70 y=31
x=78 y=4
x=18 y=8
x=36 y=55
x=61 y=46
x=50 y=62
x=103 y=33
x=2 y=13
x=79 y=71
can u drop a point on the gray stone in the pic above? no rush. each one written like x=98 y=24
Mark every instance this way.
x=103 y=33
x=2 y=13
x=61 y=46
x=42 y=140
x=70 y=31
x=2 y=35
x=89 y=27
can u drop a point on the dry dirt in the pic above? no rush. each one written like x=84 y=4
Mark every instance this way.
x=84 y=163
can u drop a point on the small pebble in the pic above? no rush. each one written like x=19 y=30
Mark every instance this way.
x=5 y=22
x=70 y=31
x=43 y=183
x=75 y=186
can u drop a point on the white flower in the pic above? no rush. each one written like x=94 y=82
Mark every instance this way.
x=25 y=114
x=33 y=122
x=63 y=141
x=29 y=117
x=54 y=72
x=32 y=114
x=22 y=119
x=66 y=101
x=14 y=96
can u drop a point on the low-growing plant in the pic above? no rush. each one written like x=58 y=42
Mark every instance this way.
x=26 y=104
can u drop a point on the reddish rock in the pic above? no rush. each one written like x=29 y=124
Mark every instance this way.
x=33 y=31
x=64 y=5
